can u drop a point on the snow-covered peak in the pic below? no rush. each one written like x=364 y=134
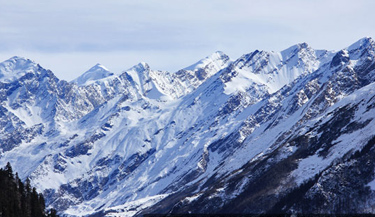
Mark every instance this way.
x=141 y=78
x=95 y=73
x=19 y=58
x=215 y=60
x=364 y=46
x=295 y=48
x=15 y=67
x=99 y=67
x=138 y=72
x=295 y=51
x=265 y=62
x=362 y=43
x=141 y=67
x=273 y=69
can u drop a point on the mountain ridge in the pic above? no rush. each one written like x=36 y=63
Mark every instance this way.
x=219 y=136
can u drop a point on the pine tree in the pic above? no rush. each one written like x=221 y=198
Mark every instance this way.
x=9 y=170
x=28 y=186
x=18 y=199
x=42 y=203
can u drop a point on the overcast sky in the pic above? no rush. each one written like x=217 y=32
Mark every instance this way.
x=70 y=36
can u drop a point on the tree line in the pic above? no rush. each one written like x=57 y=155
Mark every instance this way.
x=20 y=199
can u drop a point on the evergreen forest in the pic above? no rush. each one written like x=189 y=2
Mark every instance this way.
x=20 y=199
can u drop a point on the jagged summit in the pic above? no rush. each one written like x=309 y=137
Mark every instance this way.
x=95 y=73
x=16 y=67
x=138 y=72
x=19 y=58
x=363 y=42
x=140 y=67
x=293 y=50
x=216 y=59
x=364 y=46
x=273 y=70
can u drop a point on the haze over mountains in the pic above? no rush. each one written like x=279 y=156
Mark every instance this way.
x=269 y=132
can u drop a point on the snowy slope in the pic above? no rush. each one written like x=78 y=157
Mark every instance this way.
x=229 y=136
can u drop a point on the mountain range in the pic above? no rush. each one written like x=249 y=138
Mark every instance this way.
x=270 y=132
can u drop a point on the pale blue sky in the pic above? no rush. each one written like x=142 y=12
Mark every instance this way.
x=69 y=36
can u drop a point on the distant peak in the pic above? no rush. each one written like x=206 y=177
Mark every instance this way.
x=293 y=50
x=98 y=66
x=95 y=73
x=297 y=47
x=15 y=68
x=303 y=45
x=143 y=64
x=140 y=67
x=19 y=62
x=367 y=39
x=19 y=59
x=363 y=42
x=220 y=57
x=218 y=53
